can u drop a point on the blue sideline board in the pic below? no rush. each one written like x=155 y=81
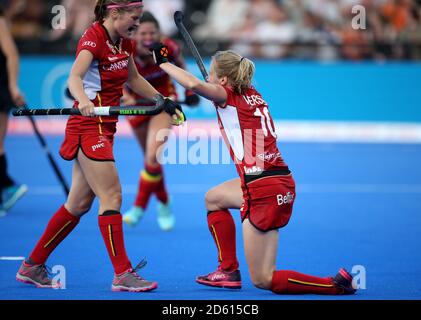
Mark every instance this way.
x=336 y=91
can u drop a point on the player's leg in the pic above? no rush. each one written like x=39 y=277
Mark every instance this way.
x=10 y=192
x=103 y=179
x=59 y=227
x=261 y=250
x=159 y=130
x=136 y=212
x=152 y=178
x=227 y=195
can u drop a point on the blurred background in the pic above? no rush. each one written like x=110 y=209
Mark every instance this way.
x=273 y=29
x=314 y=63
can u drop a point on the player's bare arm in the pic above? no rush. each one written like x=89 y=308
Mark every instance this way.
x=213 y=92
x=75 y=82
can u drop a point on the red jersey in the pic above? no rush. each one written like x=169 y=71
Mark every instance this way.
x=249 y=133
x=104 y=80
x=158 y=78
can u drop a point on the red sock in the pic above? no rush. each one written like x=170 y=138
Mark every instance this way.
x=161 y=191
x=286 y=281
x=111 y=228
x=148 y=184
x=59 y=226
x=222 y=227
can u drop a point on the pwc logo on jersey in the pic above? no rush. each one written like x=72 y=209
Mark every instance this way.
x=254 y=100
x=98 y=146
x=285 y=199
x=120 y=65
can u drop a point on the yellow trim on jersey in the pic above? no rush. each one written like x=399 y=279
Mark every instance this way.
x=100 y=119
x=56 y=235
x=149 y=177
x=217 y=243
x=310 y=283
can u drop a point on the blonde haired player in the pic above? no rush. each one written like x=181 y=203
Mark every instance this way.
x=265 y=190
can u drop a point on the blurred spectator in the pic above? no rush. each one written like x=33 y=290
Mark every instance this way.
x=304 y=29
x=164 y=10
x=79 y=16
x=27 y=18
x=275 y=35
x=222 y=17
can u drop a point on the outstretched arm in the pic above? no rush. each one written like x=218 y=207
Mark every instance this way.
x=214 y=92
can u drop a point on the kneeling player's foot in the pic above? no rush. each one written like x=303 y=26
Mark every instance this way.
x=12 y=194
x=343 y=281
x=222 y=279
x=133 y=216
x=166 y=219
x=36 y=275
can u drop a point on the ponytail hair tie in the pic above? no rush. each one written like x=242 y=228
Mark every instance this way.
x=241 y=60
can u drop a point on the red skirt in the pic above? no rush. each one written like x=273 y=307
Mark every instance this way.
x=268 y=202
x=95 y=139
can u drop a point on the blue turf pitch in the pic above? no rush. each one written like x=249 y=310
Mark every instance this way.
x=357 y=204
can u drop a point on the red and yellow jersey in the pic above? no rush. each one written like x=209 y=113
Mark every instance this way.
x=104 y=80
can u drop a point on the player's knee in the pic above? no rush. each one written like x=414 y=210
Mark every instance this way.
x=261 y=279
x=111 y=199
x=212 y=200
x=81 y=207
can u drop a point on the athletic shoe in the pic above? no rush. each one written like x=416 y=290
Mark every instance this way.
x=132 y=282
x=37 y=275
x=343 y=281
x=12 y=194
x=222 y=279
x=166 y=219
x=133 y=216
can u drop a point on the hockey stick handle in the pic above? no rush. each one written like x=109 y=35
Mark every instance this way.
x=99 y=111
x=178 y=19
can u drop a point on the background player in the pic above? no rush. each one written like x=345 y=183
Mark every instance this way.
x=265 y=191
x=104 y=62
x=10 y=97
x=146 y=128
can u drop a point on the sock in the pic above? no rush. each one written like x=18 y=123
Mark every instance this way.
x=58 y=228
x=110 y=224
x=5 y=180
x=286 y=281
x=222 y=227
x=150 y=179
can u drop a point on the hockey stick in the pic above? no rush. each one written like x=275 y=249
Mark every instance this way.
x=53 y=163
x=178 y=19
x=99 y=111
